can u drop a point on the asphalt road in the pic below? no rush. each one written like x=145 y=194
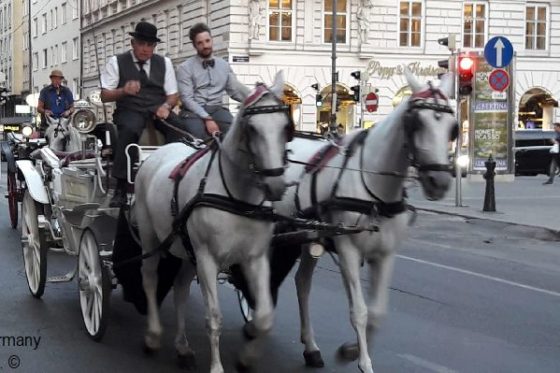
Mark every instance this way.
x=467 y=296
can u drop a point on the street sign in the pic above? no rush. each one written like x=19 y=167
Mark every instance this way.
x=371 y=102
x=498 y=80
x=498 y=51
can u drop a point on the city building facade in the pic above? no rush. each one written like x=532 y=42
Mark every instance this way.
x=55 y=42
x=260 y=37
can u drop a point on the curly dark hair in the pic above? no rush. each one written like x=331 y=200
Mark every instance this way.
x=198 y=29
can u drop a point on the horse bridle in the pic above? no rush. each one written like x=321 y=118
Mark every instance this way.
x=419 y=101
x=256 y=110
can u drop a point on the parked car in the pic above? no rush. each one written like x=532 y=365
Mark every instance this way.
x=532 y=151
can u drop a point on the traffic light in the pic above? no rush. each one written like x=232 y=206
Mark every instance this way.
x=448 y=41
x=466 y=74
x=355 y=93
x=318 y=100
x=356 y=75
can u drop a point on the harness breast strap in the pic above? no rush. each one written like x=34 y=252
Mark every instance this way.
x=347 y=203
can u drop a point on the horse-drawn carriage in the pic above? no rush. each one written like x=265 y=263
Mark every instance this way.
x=222 y=213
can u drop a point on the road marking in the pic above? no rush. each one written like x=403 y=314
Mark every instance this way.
x=476 y=274
x=426 y=364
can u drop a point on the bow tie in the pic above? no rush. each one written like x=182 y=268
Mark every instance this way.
x=207 y=63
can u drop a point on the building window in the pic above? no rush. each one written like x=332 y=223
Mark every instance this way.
x=341 y=21
x=55 y=55
x=474 y=25
x=63 y=52
x=410 y=34
x=280 y=20
x=44 y=60
x=76 y=88
x=74 y=9
x=63 y=12
x=44 y=23
x=535 y=27
x=35 y=27
x=55 y=18
x=75 y=52
x=35 y=61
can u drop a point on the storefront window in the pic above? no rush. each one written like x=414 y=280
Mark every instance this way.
x=410 y=23
x=341 y=21
x=535 y=27
x=474 y=25
x=280 y=20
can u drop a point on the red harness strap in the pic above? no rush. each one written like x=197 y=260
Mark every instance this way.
x=321 y=158
x=181 y=169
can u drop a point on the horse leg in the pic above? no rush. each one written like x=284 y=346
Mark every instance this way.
x=150 y=280
x=257 y=272
x=181 y=288
x=350 y=260
x=381 y=271
x=207 y=274
x=304 y=274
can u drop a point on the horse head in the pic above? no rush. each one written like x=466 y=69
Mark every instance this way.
x=429 y=125
x=265 y=125
x=61 y=135
x=57 y=133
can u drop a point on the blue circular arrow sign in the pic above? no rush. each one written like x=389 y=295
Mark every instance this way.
x=498 y=51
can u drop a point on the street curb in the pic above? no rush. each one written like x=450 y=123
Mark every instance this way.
x=541 y=233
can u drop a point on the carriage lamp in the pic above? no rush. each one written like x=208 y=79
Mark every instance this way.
x=27 y=131
x=84 y=119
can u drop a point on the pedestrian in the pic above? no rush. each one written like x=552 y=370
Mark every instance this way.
x=143 y=85
x=554 y=155
x=55 y=100
x=203 y=81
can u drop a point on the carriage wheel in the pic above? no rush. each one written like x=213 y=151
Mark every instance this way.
x=246 y=310
x=34 y=246
x=13 y=198
x=94 y=284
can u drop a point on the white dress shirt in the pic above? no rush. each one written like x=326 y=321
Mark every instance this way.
x=110 y=76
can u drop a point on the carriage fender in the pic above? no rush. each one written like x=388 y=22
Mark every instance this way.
x=10 y=159
x=34 y=181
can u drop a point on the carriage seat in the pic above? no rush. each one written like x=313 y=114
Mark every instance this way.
x=58 y=159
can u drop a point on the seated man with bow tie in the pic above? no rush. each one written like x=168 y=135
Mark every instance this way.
x=203 y=81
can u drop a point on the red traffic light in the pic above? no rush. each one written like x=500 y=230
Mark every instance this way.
x=466 y=64
x=466 y=75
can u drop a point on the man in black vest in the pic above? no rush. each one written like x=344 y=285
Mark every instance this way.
x=143 y=84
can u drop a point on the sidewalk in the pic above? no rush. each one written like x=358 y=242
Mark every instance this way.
x=524 y=201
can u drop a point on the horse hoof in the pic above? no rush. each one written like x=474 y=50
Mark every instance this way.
x=187 y=361
x=249 y=331
x=313 y=359
x=243 y=368
x=149 y=350
x=348 y=352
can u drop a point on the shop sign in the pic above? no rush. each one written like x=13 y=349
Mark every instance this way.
x=375 y=68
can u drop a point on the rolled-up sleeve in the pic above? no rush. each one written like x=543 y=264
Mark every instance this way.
x=186 y=90
x=170 y=82
x=110 y=75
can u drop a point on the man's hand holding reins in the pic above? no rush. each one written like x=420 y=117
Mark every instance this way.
x=132 y=87
x=211 y=126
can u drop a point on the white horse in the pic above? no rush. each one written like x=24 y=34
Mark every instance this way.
x=247 y=170
x=62 y=136
x=363 y=184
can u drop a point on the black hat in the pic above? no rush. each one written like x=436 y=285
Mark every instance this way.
x=145 y=31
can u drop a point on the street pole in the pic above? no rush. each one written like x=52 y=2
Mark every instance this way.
x=333 y=82
x=459 y=144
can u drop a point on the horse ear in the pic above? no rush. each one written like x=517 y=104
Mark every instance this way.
x=446 y=84
x=278 y=86
x=412 y=81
